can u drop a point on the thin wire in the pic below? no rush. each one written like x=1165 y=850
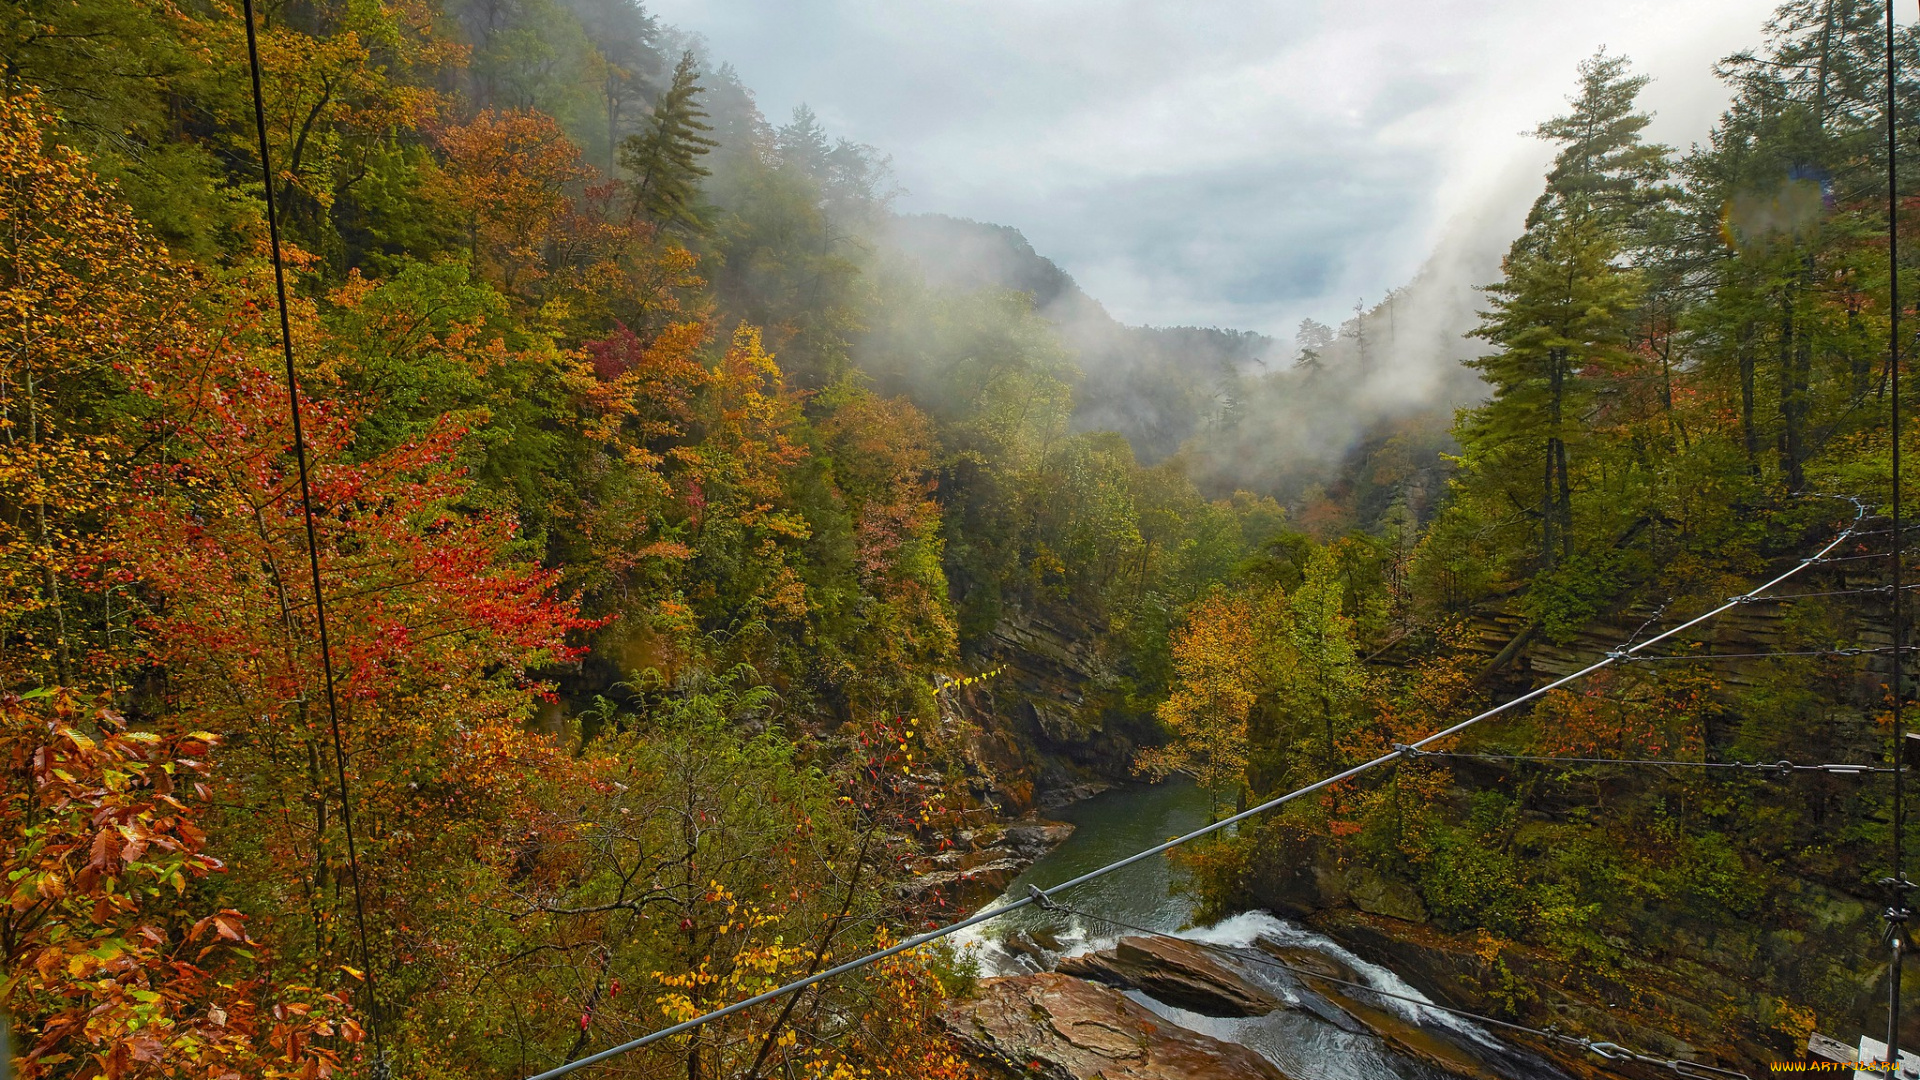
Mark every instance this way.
x=1041 y=896
x=1877 y=590
x=306 y=511
x=1897 y=911
x=1885 y=532
x=1610 y=1051
x=1777 y=767
x=1758 y=655
x=1857 y=558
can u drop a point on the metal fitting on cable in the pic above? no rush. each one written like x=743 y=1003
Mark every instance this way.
x=1410 y=751
x=1039 y=897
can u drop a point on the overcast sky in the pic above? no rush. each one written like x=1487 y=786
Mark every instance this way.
x=1219 y=162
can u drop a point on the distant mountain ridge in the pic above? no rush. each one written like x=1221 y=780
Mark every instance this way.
x=1158 y=386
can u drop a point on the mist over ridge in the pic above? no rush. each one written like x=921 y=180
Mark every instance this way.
x=1247 y=410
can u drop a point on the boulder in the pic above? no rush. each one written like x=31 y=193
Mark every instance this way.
x=1031 y=839
x=1176 y=972
x=1376 y=894
x=963 y=889
x=1056 y=1027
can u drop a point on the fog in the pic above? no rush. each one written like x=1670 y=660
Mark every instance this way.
x=1233 y=164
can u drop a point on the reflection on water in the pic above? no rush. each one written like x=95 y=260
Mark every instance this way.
x=1108 y=827
x=1312 y=1039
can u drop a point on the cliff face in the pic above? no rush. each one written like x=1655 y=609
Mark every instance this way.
x=1046 y=729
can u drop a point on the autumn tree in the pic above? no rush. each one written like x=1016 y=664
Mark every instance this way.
x=1225 y=659
x=507 y=175
x=119 y=963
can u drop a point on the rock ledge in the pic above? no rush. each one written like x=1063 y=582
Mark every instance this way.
x=1060 y=1028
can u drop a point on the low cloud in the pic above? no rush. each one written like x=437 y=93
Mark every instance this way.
x=1239 y=164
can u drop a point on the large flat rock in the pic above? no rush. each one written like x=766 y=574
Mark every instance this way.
x=1176 y=972
x=1057 y=1027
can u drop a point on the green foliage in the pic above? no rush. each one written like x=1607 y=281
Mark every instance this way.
x=664 y=160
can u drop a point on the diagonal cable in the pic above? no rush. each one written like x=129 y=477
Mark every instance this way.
x=1042 y=896
x=306 y=512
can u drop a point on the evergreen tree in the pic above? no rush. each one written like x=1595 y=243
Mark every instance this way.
x=1559 y=311
x=1603 y=168
x=1562 y=312
x=664 y=161
x=1312 y=341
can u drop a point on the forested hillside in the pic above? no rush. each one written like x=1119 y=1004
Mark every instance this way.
x=1686 y=373
x=638 y=588
x=662 y=478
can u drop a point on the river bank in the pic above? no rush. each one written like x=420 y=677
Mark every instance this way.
x=1301 y=1028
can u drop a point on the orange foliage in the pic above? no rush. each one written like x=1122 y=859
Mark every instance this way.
x=1225 y=656
x=1629 y=715
x=119 y=967
x=506 y=173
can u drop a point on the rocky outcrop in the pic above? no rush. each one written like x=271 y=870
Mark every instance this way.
x=1455 y=969
x=1049 y=727
x=1060 y=1028
x=1336 y=998
x=967 y=877
x=1176 y=972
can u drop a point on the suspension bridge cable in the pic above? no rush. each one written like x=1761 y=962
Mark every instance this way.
x=306 y=512
x=1857 y=558
x=1608 y=1050
x=1898 y=886
x=1762 y=767
x=1875 y=590
x=1688 y=657
x=1038 y=895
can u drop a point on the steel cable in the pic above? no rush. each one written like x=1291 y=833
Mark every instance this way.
x=306 y=511
x=1038 y=894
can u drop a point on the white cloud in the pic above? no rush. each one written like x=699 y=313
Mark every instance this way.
x=1231 y=162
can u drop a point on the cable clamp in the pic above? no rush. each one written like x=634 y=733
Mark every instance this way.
x=1743 y=598
x=1612 y=1051
x=1410 y=751
x=1621 y=655
x=1040 y=899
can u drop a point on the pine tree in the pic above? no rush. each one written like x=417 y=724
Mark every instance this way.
x=1604 y=169
x=664 y=161
x=1559 y=311
x=1565 y=305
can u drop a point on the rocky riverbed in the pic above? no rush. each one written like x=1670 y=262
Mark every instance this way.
x=1071 y=996
x=1267 y=1006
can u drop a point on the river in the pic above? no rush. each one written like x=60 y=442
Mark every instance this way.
x=1312 y=1040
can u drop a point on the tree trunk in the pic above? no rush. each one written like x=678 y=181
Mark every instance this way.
x=1750 y=436
x=1794 y=362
